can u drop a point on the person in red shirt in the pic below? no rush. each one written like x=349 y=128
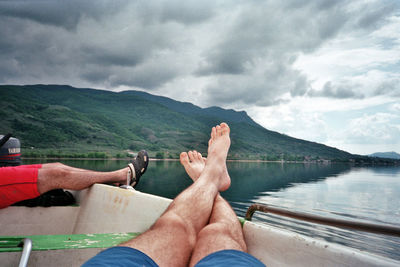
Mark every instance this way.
x=29 y=181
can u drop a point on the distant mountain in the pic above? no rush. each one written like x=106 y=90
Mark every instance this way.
x=189 y=108
x=386 y=155
x=63 y=118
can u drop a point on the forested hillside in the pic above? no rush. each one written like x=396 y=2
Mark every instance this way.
x=62 y=119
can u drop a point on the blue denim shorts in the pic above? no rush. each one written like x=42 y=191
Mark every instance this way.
x=126 y=256
x=229 y=258
x=120 y=256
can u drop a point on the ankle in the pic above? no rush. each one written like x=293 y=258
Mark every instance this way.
x=123 y=175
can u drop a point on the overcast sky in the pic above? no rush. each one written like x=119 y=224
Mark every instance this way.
x=325 y=71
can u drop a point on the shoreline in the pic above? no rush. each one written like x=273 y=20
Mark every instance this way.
x=322 y=162
x=155 y=159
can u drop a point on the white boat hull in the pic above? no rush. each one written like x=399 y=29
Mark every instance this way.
x=106 y=209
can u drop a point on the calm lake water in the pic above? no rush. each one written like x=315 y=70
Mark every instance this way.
x=369 y=194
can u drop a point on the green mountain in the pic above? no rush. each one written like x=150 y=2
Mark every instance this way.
x=63 y=119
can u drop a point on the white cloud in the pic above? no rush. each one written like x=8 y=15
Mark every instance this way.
x=377 y=128
x=359 y=61
x=367 y=134
x=389 y=31
x=294 y=119
x=361 y=126
x=395 y=107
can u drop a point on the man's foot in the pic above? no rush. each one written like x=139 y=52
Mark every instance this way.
x=194 y=163
x=217 y=153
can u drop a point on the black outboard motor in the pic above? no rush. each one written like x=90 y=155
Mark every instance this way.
x=10 y=151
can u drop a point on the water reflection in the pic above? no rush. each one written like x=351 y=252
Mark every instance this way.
x=367 y=194
x=250 y=181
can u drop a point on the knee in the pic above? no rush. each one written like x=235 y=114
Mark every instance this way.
x=52 y=177
x=178 y=227
x=215 y=229
x=58 y=172
x=49 y=179
x=58 y=165
x=223 y=231
x=52 y=165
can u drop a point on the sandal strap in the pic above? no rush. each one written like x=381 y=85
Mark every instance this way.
x=138 y=166
x=131 y=174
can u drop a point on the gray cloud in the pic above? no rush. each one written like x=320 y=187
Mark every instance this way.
x=389 y=87
x=244 y=50
x=337 y=91
x=148 y=76
x=375 y=16
x=269 y=29
x=66 y=14
x=87 y=47
x=254 y=58
x=183 y=12
x=29 y=50
x=263 y=87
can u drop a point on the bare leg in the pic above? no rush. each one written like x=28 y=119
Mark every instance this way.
x=57 y=175
x=62 y=166
x=224 y=230
x=170 y=241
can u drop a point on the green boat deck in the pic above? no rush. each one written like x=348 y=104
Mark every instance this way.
x=59 y=242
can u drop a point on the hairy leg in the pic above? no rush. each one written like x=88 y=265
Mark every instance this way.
x=224 y=230
x=62 y=166
x=170 y=241
x=56 y=175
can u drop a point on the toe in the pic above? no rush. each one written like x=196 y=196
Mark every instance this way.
x=219 y=130
x=184 y=158
x=191 y=155
x=224 y=128
x=213 y=132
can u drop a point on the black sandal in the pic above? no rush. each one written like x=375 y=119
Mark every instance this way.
x=137 y=168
